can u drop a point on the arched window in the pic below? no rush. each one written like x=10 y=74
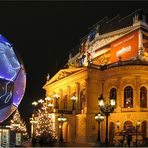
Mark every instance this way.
x=143 y=97
x=113 y=93
x=128 y=97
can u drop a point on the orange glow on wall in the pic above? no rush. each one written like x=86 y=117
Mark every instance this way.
x=125 y=47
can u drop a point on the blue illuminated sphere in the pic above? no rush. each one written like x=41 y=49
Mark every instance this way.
x=12 y=79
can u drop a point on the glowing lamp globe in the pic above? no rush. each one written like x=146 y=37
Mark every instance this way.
x=12 y=79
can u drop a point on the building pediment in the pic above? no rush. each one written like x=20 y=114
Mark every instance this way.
x=63 y=73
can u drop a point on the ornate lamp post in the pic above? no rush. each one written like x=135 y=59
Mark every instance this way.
x=48 y=104
x=47 y=100
x=34 y=103
x=106 y=109
x=41 y=101
x=137 y=127
x=99 y=117
x=56 y=97
x=33 y=121
x=73 y=99
x=61 y=120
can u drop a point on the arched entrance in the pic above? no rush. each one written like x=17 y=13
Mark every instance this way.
x=144 y=127
x=128 y=126
x=111 y=131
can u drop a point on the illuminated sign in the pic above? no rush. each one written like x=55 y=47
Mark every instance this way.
x=123 y=51
x=125 y=47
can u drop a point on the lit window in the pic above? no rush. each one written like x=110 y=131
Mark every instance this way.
x=128 y=97
x=143 y=97
x=113 y=94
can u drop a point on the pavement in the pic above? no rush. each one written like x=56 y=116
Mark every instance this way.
x=29 y=144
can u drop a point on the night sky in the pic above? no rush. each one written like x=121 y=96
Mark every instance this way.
x=44 y=32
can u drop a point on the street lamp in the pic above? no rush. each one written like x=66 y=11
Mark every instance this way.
x=41 y=101
x=106 y=109
x=49 y=105
x=56 y=96
x=137 y=127
x=99 y=117
x=61 y=120
x=47 y=99
x=34 y=103
x=33 y=121
x=73 y=99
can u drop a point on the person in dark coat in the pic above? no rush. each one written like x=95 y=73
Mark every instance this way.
x=129 y=138
x=41 y=141
x=33 y=141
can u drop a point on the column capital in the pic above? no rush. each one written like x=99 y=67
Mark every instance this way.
x=77 y=83
x=68 y=86
x=60 y=90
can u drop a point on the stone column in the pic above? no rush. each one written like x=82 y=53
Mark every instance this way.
x=77 y=102
x=68 y=98
x=60 y=99
x=140 y=44
x=136 y=99
x=120 y=98
x=54 y=102
x=86 y=96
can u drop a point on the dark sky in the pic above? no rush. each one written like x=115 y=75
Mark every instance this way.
x=44 y=32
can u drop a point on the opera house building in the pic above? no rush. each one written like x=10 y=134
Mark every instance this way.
x=110 y=65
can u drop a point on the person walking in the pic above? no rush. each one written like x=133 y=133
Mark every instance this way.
x=33 y=141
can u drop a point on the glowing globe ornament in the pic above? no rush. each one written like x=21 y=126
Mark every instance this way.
x=12 y=79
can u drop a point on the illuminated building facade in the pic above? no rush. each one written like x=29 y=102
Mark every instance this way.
x=116 y=59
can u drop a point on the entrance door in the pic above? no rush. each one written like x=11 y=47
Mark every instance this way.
x=111 y=131
x=144 y=127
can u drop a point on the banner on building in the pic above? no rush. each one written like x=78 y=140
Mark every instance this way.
x=145 y=46
x=125 y=48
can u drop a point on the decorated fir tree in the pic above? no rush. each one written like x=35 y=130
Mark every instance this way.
x=17 y=124
x=45 y=126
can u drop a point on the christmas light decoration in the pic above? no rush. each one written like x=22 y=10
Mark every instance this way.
x=17 y=124
x=45 y=125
